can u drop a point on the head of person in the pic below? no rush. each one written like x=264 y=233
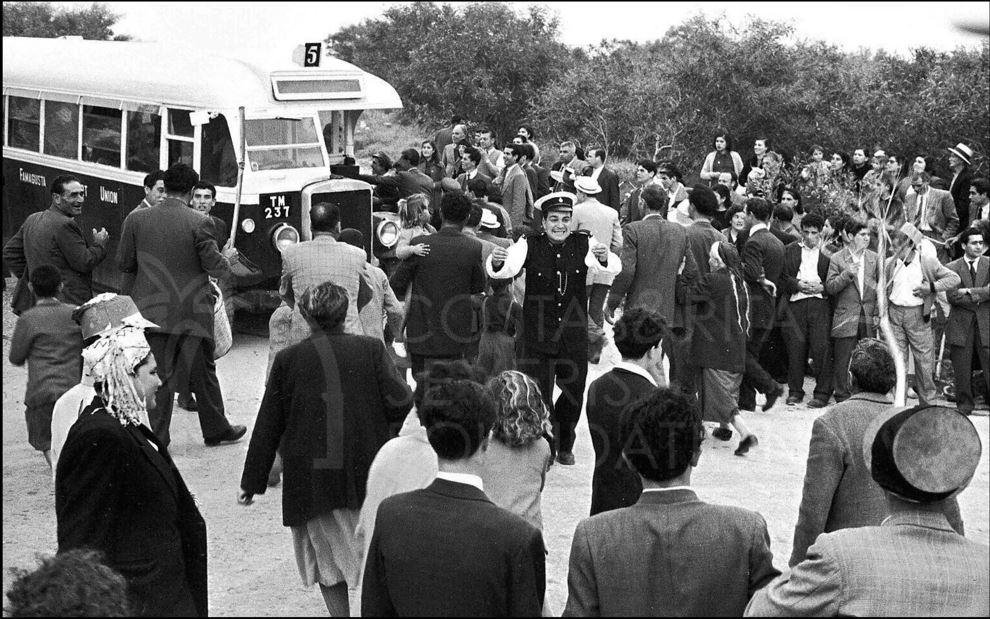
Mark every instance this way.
x=477 y=188
x=722 y=141
x=960 y=156
x=428 y=152
x=567 y=151
x=655 y=200
x=458 y=415
x=859 y=157
x=857 y=233
x=728 y=180
x=905 y=240
x=586 y=187
x=204 y=197
x=45 y=281
x=920 y=163
x=179 y=181
x=324 y=217
x=414 y=211
x=782 y=214
x=761 y=146
x=409 y=158
x=324 y=307
x=817 y=153
x=879 y=159
x=791 y=198
x=669 y=174
x=440 y=372
x=470 y=159
x=527 y=132
x=75 y=583
x=557 y=209
x=513 y=153
x=458 y=133
x=702 y=202
x=893 y=164
x=455 y=206
x=758 y=210
x=597 y=157
x=724 y=196
x=979 y=195
x=646 y=171
x=638 y=333
x=380 y=163
x=871 y=367
x=474 y=218
x=737 y=218
x=518 y=139
x=920 y=181
x=124 y=371
x=922 y=455
x=840 y=161
x=811 y=230
x=972 y=241
x=484 y=138
x=68 y=195
x=661 y=435
x=154 y=187
x=352 y=236
x=521 y=415
x=528 y=153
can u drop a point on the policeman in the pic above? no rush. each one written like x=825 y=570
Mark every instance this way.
x=555 y=317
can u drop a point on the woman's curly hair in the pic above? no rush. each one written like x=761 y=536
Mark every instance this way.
x=521 y=414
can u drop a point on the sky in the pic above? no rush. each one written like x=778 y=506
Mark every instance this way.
x=894 y=26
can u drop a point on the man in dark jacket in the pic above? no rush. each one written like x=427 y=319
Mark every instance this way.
x=54 y=237
x=407 y=180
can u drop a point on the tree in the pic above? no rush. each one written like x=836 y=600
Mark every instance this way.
x=482 y=61
x=42 y=19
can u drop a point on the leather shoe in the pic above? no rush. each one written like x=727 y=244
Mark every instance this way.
x=816 y=403
x=566 y=458
x=722 y=434
x=232 y=435
x=190 y=404
x=791 y=399
x=772 y=398
x=746 y=444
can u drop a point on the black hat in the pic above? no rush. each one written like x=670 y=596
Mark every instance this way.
x=922 y=454
x=557 y=201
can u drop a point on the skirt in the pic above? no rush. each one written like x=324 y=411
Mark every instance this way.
x=327 y=549
x=719 y=394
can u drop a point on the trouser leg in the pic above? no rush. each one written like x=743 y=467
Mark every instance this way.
x=842 y=352
x=540 y=368
x=796 y=328
x=962 y=369
x=755 y=377
x=197 y=359
x=596 y=303
x=919 y=337
x=165 y=347
x=571 y=375
x=818 y=340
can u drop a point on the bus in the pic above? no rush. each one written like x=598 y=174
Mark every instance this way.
x=110 y=112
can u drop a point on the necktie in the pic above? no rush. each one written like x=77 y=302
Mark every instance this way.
x=972 y=271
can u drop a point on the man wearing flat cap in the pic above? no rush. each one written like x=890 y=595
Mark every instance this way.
x=555 y=316
x=913 y=563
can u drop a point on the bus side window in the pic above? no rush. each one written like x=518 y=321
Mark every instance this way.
x=101 y=135
x=333 y=134
x=144 y=131
x=217 y=161
x=23 y=124
x=180 y=138
x=62 y=129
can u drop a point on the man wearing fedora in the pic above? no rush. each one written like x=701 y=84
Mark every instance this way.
x=933 y=212
x=960 y=159
x=913 y=563
x=603 y=224
x=555 y=317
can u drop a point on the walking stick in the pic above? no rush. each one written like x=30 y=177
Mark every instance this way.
x=941 y=355
x=240 y=176
x=900 y=370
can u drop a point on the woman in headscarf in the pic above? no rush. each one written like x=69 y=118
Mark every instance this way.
x=719 y=341
x=118 y=491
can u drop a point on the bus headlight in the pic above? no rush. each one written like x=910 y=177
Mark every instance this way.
x=247 y=225
x=387 y=233
x=284 y=236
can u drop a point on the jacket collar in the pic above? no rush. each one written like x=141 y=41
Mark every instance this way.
x=927 y=520
x=667 y=497
x=876 y=398
x=454 y=490
x=171 y=202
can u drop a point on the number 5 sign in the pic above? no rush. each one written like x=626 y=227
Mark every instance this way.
x=311 y=56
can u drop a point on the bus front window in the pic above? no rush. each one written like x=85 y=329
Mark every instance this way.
x=281 y=143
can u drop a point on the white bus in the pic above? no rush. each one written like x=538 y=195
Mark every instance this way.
x=109 y=112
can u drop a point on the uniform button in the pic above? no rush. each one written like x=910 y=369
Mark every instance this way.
x=558 y=255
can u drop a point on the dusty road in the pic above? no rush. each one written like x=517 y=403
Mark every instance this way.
x=252 y=570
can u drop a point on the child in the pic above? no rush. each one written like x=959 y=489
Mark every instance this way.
x=497 y=347
x=51 y=342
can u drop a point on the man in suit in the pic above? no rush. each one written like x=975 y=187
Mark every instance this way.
x=638 y=333
x=447 y=550
x=494 y=159
x=471 y=158
x=913 y=563
x=592 y=215
x=517 y=197
x=440 y=319
x=608 y=179
x=933 y=212
x=170 y=250
x=154 y=189
x=763 y=260
x=570 y=164
x=632 y=207
x=959 y=159
x=914 y=278
x=852 y=285
x=807 y=314
x=838 y=492
x=54 y=237
x=407 y=180
x=692 y=558
x=450 y=159
x=969 y=319
x=444 y=136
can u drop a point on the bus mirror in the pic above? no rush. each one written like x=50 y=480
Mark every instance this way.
x=200 y=117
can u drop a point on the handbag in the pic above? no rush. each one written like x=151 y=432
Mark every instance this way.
x=223 y=338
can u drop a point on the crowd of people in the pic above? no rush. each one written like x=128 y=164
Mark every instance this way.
x=406 y=501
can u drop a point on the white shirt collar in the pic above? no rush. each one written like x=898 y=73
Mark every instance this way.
x=757 y=227
x=635 y=369
x=463 y=478
x=473 y=173
x=667 y=489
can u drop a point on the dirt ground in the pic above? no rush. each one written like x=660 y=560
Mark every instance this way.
x=252 y=569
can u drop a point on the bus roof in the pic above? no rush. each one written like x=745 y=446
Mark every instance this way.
x=159 y=73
